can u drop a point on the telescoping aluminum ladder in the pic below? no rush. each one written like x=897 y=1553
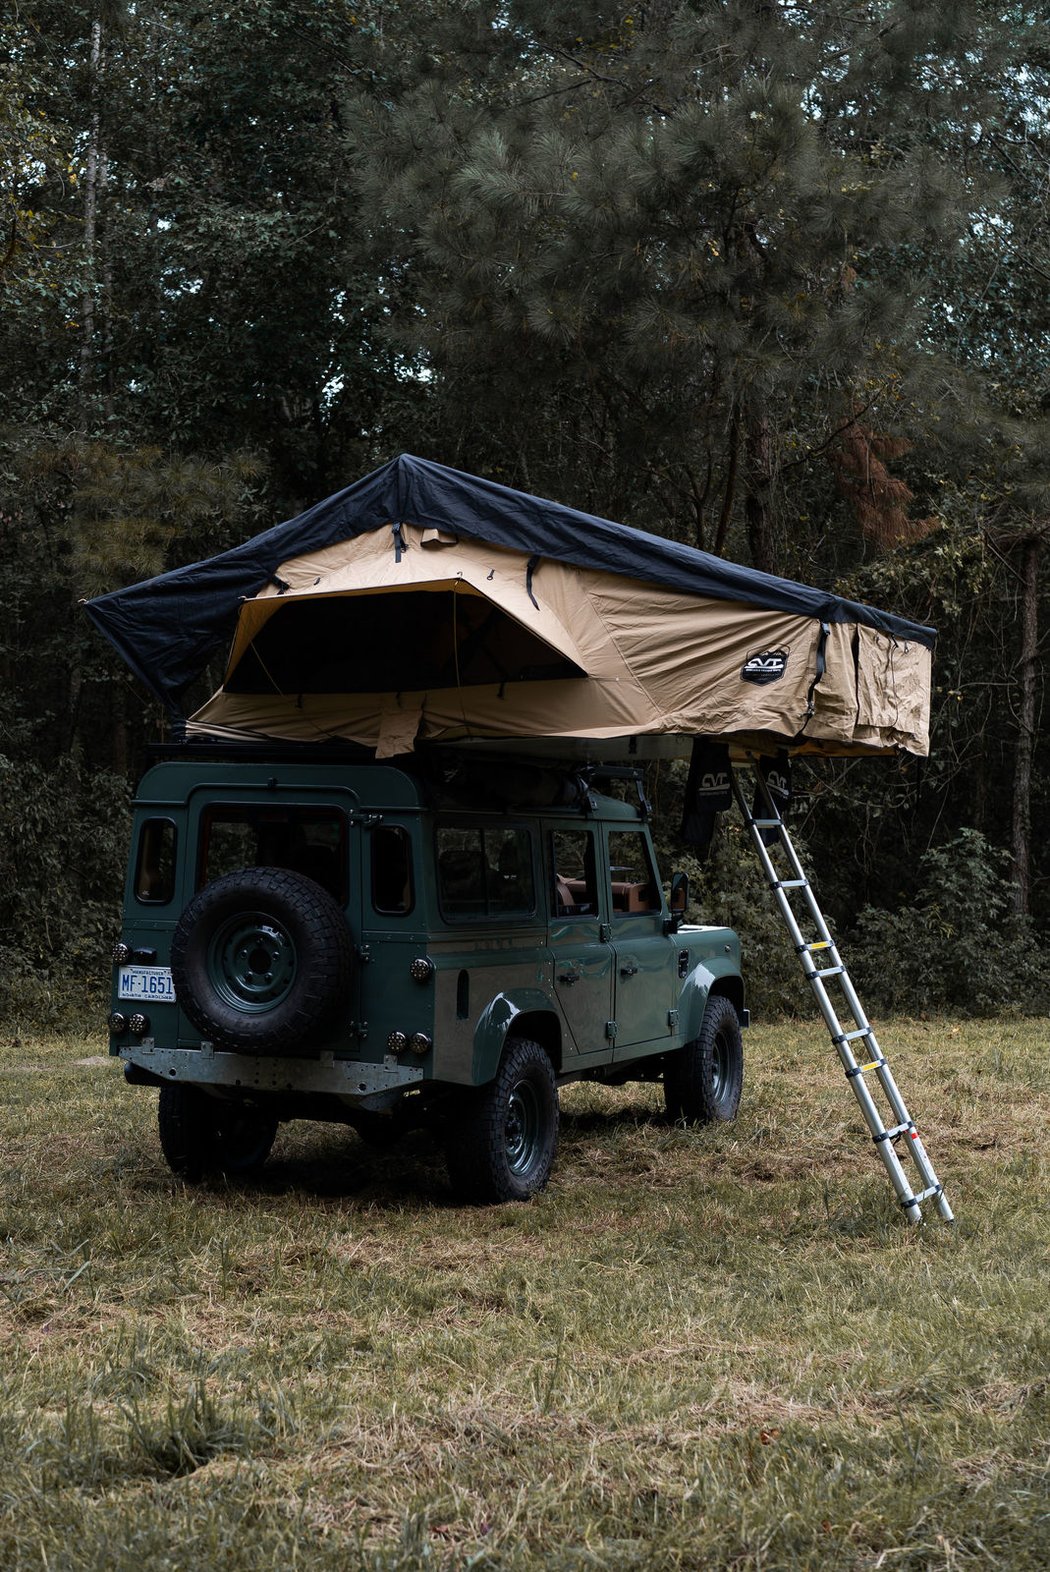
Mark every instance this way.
x=822 y=964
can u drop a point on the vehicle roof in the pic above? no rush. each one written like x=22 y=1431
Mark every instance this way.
x=172 y=782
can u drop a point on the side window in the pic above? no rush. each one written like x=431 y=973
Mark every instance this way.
x=508 y=856
x=312 y=841
x=392 y=889
x=155 y=868
x=461 y=873
x=574 y=885
x=485 y=872
x=633 y=882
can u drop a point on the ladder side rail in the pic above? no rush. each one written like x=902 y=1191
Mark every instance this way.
x=776 y=821
x=883 y=1138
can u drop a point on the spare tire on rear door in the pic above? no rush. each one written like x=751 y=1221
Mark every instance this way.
x=260 y=960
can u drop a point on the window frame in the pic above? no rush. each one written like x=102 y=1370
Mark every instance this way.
x=481 y=829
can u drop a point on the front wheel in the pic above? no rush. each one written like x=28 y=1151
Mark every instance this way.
x=500 y=1142
x=200 y=1135
x=703 y=1080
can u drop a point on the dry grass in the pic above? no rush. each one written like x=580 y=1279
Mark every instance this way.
x=711 y=1349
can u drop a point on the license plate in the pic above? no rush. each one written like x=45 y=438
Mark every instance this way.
x=146 y=982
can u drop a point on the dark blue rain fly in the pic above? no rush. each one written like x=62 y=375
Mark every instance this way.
x=168 y=628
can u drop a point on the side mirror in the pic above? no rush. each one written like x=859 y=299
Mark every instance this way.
x=678 y=902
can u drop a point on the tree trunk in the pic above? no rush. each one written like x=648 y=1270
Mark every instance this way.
x=757 y=511
x=87 y=306
x=1028 y=667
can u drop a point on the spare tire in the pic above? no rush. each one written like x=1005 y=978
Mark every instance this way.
x=260 y=960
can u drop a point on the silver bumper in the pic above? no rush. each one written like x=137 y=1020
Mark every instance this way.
x=357 y=1081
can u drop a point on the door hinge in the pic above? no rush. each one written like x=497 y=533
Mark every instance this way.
x=610 y=1030
x=672 y=1020
x=604 y=932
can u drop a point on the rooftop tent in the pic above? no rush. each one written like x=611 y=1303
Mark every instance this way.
x=422 y=604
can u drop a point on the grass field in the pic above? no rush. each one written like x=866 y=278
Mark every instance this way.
x=711 y=1349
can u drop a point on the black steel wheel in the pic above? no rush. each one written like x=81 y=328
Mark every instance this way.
x=202 y=1135
x=703 y=1081
x=260 y=960
x=501 y=1139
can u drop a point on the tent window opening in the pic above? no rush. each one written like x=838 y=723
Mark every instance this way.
x=633 y=885
x=392 y=890
x=310 y=841
x=574 y=883
x=393 y=643
x=155 y=868
x=485 y=873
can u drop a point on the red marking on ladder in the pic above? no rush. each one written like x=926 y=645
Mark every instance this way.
x=915 y=1135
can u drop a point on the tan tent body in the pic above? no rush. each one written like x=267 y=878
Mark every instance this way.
x=424 y=605
x=452 y=639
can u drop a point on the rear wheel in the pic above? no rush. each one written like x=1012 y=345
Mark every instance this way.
x=500 y=1143
x=703 y=1080
x=201 y=1135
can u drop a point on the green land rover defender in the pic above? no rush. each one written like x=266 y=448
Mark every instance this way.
x=309 y=937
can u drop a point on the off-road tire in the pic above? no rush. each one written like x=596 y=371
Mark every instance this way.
x=260 y=961
x=185 y=1131
x=501 y=1138
x=703 y=1080
x=200 y=1135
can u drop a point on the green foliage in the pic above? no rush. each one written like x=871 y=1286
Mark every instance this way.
x=731 y=888
x=663 y=264
x=956 y=944
x=63 y=849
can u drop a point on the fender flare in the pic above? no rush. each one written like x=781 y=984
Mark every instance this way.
x=494 y=1024
x=697 y=988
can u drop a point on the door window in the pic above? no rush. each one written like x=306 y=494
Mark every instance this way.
x=574 y=883
x=633 y=885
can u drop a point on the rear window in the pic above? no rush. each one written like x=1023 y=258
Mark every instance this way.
x=485 y=872
x=311 y=841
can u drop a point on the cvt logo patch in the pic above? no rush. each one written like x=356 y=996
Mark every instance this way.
x=768 y=666
x=714 y=783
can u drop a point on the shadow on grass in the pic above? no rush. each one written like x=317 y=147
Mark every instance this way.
x=332 y=1163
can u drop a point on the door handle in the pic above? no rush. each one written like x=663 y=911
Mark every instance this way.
x=568 y=977
x=628 y=971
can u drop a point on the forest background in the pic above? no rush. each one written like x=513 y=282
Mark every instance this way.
x=772 y=279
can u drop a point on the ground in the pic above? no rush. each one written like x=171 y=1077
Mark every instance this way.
x=721 y=1348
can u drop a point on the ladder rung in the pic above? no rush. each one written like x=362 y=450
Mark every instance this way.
x=863 y=1069
x=891 y=1135
x=767 y=824
x=790 y=884
x=829 y=971
x=923 y=1195
x=818 y=944
x=851 y=1037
